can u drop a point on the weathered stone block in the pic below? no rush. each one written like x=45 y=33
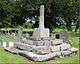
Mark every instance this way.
x=57 y=41
x=42 y=49
x=30 y=42
x=47 y=43
x=38 y=43
x=55 y=48
x=66 y=53
x=65 y=46
x=37 y=57
x=73 y=50
x=41 y=32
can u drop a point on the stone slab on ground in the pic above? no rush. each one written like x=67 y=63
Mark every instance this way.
x=65 y=46
x=73 y=50
x=12 y=50
x=66 y=53
x=36 y=57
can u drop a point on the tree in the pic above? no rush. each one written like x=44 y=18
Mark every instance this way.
x=68 y=10
x=13 y=13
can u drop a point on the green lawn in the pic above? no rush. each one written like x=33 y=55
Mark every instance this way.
x=6 y=57
x=3 y=38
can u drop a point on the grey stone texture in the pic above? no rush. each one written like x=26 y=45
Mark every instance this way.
x=55 y=48
x=65 y=46
x=66 y=53
x=66 y=36
x=57 y=41
x=41 y=31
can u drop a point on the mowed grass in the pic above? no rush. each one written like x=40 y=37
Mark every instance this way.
x=3 y=38
x=9 y=58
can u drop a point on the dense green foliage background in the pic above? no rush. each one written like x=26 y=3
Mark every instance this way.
x=14 y=12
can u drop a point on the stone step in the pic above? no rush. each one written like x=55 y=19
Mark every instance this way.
x=42 y=49
x=74 y=50
x=38 y=57
x=12 y=50
x=43 y=42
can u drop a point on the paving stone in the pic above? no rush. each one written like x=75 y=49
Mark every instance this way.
x=12 y=50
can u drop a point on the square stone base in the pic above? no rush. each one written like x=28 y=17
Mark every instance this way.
x=41 y=32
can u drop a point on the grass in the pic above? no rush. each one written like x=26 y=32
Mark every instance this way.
x=59 y=30
x=75 y=42
x=9 y=58
x=3 y=38
x=28 y=30
x=6 y=57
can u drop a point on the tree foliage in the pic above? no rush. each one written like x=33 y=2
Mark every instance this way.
x=14 y=12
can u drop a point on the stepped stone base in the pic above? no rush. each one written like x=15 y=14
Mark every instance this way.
x=41 y=49
x=38 y=57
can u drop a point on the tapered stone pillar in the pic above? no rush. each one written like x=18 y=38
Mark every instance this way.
x=41 y=22
x=41 y=31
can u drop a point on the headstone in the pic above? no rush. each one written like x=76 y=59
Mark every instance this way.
x=4 y=44
x=11 y=44
x=18 y=38
x=1 y=43
x=65 y=36
x=7 y=44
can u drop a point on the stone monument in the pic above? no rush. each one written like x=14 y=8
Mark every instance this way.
x=41 y=46
x=41 y=31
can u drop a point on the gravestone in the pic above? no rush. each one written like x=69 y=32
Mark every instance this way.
x=18 y=38
x=65 y=36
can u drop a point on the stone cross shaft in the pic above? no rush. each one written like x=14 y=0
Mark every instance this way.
x=41 y=31
x=41 y=22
